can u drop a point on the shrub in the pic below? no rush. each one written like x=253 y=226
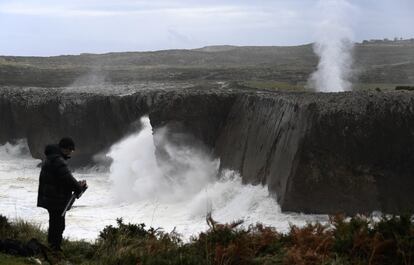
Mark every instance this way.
x=132 y=244
x=343 y=241
x=311 y=244
x=21 y=230
x=229 y=244
x=5 y=227
x=363 y=240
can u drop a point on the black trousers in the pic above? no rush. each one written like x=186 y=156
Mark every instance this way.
x=56 y=228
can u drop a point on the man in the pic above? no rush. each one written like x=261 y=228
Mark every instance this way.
x=56 y=185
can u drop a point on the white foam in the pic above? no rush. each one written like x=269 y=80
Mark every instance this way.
x=164 y=206
x=137 y=174
x=13 y=150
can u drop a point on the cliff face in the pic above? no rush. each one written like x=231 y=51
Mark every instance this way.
x=262 y=138
x=199 y=113
x=44 y=116
x=324 y=153
x=359 y=152
x=318 y=153
x=97 y=120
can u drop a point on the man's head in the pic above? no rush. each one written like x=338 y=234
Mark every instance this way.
x=67 y=146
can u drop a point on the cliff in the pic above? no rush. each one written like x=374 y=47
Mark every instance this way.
x=45 y=115
x=324 y=153
x=318 y=153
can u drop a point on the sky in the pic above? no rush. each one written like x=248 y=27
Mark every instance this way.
x=56 y=27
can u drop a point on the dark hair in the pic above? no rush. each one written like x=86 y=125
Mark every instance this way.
x=67 y=143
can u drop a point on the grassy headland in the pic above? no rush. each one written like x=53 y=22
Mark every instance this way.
x=375 y=63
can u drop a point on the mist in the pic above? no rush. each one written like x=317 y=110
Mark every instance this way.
x=179 y=174
x=183 y=182
x=334 y=46
x=13 y=149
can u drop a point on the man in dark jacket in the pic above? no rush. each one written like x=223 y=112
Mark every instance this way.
x=56 y=185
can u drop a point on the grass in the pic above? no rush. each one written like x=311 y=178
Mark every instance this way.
x=12 y=260
x=275 y=85
x=279 y=67
x=357 y=240
x=376 y=86
x=301 y=86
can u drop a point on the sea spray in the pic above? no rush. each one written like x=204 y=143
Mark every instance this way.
x=184 y=175
x=137 y=173
x=334 y=46
x=134 y=166
x=227 y=197
x=185 y=178
x=18 y=148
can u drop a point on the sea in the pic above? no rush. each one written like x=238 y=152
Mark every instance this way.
x=174 y=194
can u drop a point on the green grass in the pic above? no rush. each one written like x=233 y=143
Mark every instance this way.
x=281 y=68
x=375 y=86
x=275 y=85
x=301 y=86
x=12 y=260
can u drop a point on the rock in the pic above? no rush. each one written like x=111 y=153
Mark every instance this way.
x=349 y=152
x=410 y=88
x=325 y=153
x=200 y=113
x=43 y=116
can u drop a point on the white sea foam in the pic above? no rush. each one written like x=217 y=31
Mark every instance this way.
x=138 y=175
x=136 y=190
x=12 y=150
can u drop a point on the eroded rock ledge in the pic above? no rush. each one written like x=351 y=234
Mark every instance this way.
x=347 y=152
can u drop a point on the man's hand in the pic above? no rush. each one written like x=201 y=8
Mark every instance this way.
x=83 y=183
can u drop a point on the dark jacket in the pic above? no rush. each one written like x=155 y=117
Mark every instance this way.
x=56 y=182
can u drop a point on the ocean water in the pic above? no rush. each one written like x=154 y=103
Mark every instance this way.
x=176 y=192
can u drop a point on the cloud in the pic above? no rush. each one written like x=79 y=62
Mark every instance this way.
x=125 y=25
x=92 y=8
x=178 y=38
x=64 y=9
x=75 y=26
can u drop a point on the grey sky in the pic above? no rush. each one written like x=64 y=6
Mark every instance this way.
x=51 y=27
